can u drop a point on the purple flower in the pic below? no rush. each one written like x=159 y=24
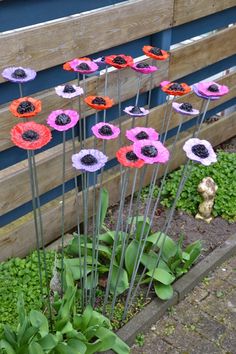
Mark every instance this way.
x=212 y=98
x=19 y=74
x=69 y=91
x=200 y=151
x=136 y=111
x=62 y=120
x=83 y=66
x=105 y=131
x=151 y=151
x=144 y=68
x=100 y=61
x=212 y=89
x=89 y=160
x=185 y=108
x=141 y=133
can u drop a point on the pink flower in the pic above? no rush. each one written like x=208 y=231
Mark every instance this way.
x=105 y=131
x=200 y=151
x=83 y=66
x=144 y=68
x=69 y=91
x=141 y=133
x=212 y=89
x=62 y=120
x=151 y=151
x=185 y=109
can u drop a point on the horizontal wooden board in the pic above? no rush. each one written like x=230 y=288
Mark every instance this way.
x=189 y=10
x=199 y=54
x=18 y=238
x=14 y=181
x=48 y=44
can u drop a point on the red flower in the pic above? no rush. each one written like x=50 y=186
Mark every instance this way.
x=67 y=66
x=119 y=61
x=99 y=102
x=176 y=89
x=25 y=107
x=30 y=135
x=155 y=53
x=126 y=157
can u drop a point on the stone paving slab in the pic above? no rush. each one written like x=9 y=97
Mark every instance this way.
x=203 y=323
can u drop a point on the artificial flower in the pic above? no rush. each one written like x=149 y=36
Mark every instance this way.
x=19 y=74
x=68 y=67
x=105 y=131
x=176 y=89
x=99 y=102
x=155 y=53
x=25 y=107
x=200 y=151
x=89 y=160
x=141 y=133
x=185 y=109
x=100 y=61
x=69 y=91
x=212 y=89
x=30 y=135
x=151 y=151
x=144 y=68
x=83 y=66
x=126 y=157
x=63 y=120
x=119 y=61
x=212 y=98
x=136 y=111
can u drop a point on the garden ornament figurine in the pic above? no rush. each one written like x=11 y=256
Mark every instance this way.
x=207 y=188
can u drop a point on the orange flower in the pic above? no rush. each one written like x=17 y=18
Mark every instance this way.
x=119 y=61
x=155 y=53
x=176 y=89
x=25 y=107
x=126 y=157
x=67 y=66
x=99 y=102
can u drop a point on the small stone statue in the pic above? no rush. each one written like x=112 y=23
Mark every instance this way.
x=207 y=188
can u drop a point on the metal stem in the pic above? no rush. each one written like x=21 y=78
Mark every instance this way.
x=138 y=90
x=168 y=119
x=199 y=124
x=63 y=206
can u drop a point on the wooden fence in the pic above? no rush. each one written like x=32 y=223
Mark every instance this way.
x=46 y=46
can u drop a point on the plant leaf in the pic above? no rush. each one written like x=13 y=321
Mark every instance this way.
x=130 y=256
x=39 y=321
x=164 y=292
x=104 y=205
x=162 y=276
x=169 y=247
x=123 y=282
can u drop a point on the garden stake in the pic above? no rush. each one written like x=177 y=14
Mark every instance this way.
x=63 y=206
x=119 y=102
x=20 y=90
x=138 y=90
x=168 y=119
x=150 y=93
x=84 y=121
x=85 y=204
x=198 y=127
x=105 y=91
x=80 y=120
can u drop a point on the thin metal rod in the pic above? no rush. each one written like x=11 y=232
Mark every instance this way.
x=80 y=115
x=151 y=84
x=85 y=204
x=119 y=102
x=21 y=90
x=138 y=90
x=93 y=279
x=96 y=121
x=63 y=206
x=105 y=91
x=198 y=127
x=168 y=120
x=84 y=120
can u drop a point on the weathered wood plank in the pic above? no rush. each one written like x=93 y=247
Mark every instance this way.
x=18 y=238
x=14 y=181
x=52 y=43
x=199 y=54
x=189 y=10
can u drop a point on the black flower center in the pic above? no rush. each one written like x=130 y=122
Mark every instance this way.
x=89 y=160
x=69 y=89
x=176 y=87
x=105 y=130
x=19 y=74
x=200 y=150
x=25 y=107
x=102 y=59
x=186 y=107
x=142 y=135
x=136 y=110
x=83 y=66
x=155 y=51
x=62 y=119
x=142 y=65
x=119 y=60
x=99 y=100
x=149 y=151
x=131 y=156
x=213 y=88
x=30 y=135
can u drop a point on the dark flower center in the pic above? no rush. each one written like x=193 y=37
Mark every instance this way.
x=142 y=135
x=105 y=130
x=149 y=151
x=69 y=89
x=25 y=107
x=155 y=51
x=89 y=160
x=142 y=65
x=83 y=66
x=213 y=88
x=136 y=110
x=186 y=107
x=99 y=100
x=30 y=135
x=131 y=156
x=176 y=87
x=200 y=150
x=102 y=59
x=19 y=74
x=62 y=119
x=119 y=60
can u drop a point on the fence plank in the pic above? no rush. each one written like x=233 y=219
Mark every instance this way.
x=18 y=238
x=189 y=10
x=14 y=180
x=49 y=44
x=199 y=54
